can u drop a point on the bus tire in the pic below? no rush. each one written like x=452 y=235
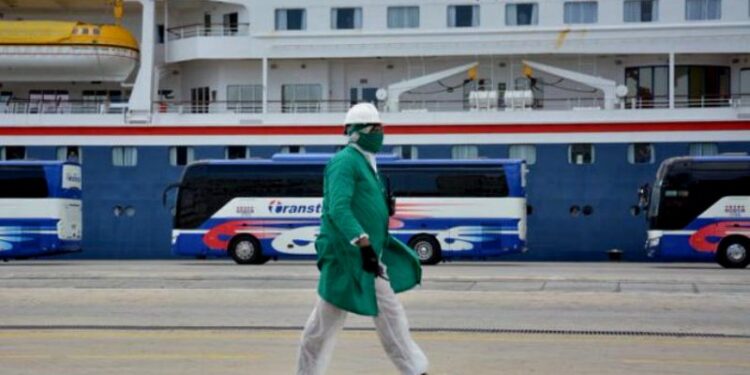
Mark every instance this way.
x=734 y=252
x=245 y=249
x=427 y=248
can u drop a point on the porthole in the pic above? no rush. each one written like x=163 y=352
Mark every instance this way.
x=587 y=210
x=575 y=210
x=129 y=211
x=117 y=211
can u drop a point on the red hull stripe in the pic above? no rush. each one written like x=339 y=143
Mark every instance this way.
x=265 y=130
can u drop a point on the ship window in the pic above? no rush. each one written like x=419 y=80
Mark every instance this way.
x=641 y=11
x=237 y=152
x=403 y=17
x=70 y=153
x=521 y=14
x=648 y=86
x=525 y=152
x=124 y=156
x=231 y=23
x=580 y=12
x=13 y=153
x=293 y=149
x=700 y=10
x=745 y=84
x=200 y=100
x=581 y=153
x=84 y=31
x=695 y=86
x=301 y=98
x=641 y=153
x=291 y=19
x=346 y=18
x=463 y=15
x=181 y=155
x=96 y=31
x=406 y=152
x=465 y=152
x=702 y=86
x=704 y=149
x=160 y=33
x=245 y=98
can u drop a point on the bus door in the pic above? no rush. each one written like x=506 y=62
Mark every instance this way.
x=70 y=225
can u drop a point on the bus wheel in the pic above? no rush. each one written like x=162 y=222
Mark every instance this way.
x=245 y=250
x=427 y=248
x=733 y=252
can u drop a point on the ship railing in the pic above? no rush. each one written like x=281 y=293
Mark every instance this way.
x=252 y=106
x=212 y=30
x=42 y=107
x=57 y=107
x=705 y=101
x=339 y=106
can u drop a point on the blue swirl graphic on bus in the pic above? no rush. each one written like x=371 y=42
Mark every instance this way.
x=9 y=235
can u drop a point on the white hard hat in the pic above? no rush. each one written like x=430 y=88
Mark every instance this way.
x=362 y=113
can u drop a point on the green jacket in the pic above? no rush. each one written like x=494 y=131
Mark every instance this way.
x=354 y=202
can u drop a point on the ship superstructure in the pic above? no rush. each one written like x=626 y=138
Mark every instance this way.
x=593 y=94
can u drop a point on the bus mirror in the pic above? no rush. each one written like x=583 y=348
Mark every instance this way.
x=166 y=191
x=391 y=197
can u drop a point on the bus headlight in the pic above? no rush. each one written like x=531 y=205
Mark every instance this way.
x=654 y=238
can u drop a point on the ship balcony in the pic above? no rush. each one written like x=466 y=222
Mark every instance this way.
x=61 y=107
x=201 y=41
x=417 y=106
x=30 y=107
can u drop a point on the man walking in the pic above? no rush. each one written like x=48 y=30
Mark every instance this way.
x=361 y=265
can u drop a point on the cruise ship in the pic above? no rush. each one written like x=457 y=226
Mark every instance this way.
x=593 y=94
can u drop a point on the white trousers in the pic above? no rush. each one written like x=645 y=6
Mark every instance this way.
x=319 y=335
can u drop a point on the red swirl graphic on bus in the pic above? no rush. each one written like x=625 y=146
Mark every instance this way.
x=219 y=236
x=706 y=239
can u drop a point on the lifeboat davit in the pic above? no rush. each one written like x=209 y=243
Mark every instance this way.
x=44 y=51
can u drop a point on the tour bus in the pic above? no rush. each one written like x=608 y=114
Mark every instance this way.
x=254 y=210
x=40 y=208
x=699 y=209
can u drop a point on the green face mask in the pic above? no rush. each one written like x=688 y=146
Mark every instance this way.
x=371 y=142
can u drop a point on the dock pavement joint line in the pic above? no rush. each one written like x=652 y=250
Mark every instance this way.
x=561 y=332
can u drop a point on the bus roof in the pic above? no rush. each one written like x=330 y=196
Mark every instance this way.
x=322 y=158
x=725 y=158
x=36 y=162
x=708 y=159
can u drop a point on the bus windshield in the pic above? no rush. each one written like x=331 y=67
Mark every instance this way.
x=688 y=189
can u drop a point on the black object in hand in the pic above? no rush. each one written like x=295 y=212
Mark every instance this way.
x=369 y=260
